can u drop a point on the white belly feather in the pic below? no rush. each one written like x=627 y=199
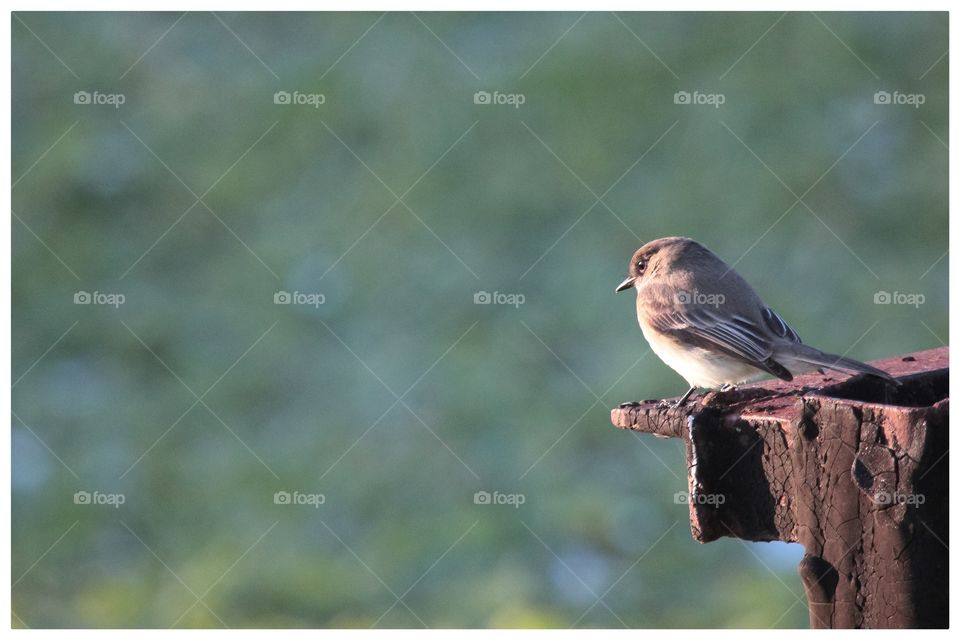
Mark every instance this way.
x=699 y=367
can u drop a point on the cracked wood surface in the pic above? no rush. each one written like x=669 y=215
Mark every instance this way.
x=853 y=469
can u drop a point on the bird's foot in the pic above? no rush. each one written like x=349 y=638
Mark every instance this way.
x=679 y=403
x=721 y=395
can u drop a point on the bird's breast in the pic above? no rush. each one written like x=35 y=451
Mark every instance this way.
x=700 y=367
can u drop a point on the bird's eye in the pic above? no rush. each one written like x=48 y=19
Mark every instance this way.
x=641 y=265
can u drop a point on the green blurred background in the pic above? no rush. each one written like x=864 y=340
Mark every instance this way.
x=199 y=398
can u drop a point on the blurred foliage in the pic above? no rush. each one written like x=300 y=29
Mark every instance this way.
x=199 y=398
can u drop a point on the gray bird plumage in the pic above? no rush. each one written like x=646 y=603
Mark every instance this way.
x=708 y=324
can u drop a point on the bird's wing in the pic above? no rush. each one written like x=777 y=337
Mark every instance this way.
x=778 y=326
x=737 y=336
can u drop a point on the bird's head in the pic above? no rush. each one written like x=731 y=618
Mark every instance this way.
x=655 y=258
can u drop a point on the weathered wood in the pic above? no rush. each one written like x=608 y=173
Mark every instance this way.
x=855 y=470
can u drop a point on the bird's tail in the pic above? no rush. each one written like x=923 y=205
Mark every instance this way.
x=810 y=356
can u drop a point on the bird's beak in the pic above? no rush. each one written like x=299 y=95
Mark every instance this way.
x=626 y=284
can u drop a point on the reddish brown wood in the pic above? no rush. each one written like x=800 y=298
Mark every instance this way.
x=854 y=469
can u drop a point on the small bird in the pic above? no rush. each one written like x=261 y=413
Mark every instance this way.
x=707 y=324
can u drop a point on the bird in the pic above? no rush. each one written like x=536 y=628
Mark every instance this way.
x=705 y=321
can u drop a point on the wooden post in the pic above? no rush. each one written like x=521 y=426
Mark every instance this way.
x=853 y=469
